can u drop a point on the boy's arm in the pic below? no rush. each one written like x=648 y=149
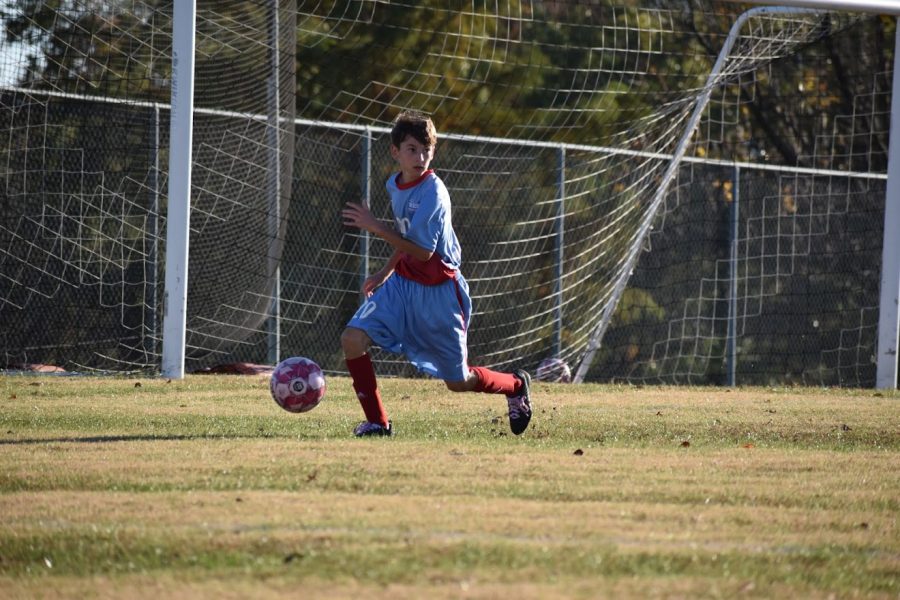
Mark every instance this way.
x=357 y=215
x=388 y=268
x=377 y=279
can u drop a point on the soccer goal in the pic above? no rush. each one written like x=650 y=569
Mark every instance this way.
x=652 y=192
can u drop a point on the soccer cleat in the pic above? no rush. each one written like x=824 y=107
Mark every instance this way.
x=366 y=429
x=520 y=405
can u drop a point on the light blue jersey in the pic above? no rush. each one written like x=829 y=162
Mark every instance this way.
x=423 y=310
x=422 y=215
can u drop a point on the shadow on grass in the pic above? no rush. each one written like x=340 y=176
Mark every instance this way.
x=105 y=439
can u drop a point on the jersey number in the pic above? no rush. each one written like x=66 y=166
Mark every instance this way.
x=365 y=310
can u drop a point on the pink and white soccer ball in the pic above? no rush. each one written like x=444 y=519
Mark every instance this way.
x=297 y=384
x=554 y=370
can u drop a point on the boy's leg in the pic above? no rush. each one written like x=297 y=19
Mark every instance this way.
x=516 y=387
x=355 y=344
x=495 y=382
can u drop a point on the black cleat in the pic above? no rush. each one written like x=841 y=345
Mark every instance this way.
x=366 y=429
x=520 y=405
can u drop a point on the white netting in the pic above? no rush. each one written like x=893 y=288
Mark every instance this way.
x=557 y=122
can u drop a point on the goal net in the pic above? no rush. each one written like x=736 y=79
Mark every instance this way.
x=586 y=234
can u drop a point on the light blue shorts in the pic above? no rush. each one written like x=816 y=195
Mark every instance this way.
x=427 y=323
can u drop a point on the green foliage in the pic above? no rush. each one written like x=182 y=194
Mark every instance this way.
x=477 y=72
x=98 y=51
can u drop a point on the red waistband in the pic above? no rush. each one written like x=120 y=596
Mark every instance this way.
x=427 y=272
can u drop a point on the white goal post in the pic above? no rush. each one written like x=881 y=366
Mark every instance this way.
x=889 y=316
x=179 y=209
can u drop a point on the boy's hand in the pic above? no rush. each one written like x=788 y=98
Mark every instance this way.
x=357 y=215
x=374 y=281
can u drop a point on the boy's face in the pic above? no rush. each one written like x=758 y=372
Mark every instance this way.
x=413 y=158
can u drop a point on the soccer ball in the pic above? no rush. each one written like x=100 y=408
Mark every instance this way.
x=554 y=370
x=297 y=384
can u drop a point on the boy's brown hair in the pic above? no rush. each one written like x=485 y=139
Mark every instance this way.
x=416 y=124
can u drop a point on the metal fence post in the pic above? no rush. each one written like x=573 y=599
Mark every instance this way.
x=366 y=185
x=152 y=307
x=733 y=233
x=560 y=247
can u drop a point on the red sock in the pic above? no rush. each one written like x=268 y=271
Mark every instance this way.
x=366 y=386
x=495 y=382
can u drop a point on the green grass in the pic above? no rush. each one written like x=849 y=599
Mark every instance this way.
x=204 y=488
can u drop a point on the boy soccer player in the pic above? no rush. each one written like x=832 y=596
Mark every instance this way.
x=418 y=304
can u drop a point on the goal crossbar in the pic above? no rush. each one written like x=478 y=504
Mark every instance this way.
x=878 y=7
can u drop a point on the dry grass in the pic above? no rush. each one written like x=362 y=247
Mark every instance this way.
x=204 y=488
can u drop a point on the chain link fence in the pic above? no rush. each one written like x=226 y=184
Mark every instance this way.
x=753 y=274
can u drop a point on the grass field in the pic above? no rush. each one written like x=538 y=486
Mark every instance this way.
x=127 y=488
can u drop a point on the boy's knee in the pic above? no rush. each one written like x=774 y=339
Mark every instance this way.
x=457 y=386
x=466 y=385
x=354 y=342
